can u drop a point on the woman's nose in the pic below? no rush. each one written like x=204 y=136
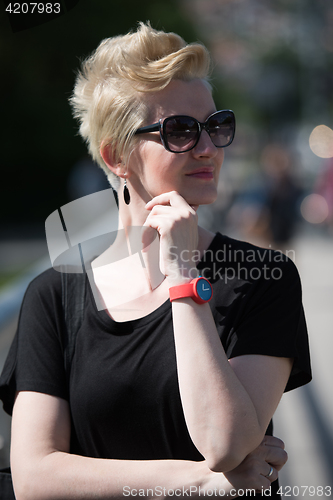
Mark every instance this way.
x=205 y=146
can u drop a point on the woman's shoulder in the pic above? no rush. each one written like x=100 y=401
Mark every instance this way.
x=49 y=281
x=232 y=261
x=243 y=252
x=51 y=289
x=45 y=293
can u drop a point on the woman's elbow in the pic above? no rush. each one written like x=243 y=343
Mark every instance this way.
x=224 y=463
x=32 y=482
x=24 y=486
x=229 y=455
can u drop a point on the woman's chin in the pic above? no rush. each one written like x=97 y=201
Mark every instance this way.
x=202 y=198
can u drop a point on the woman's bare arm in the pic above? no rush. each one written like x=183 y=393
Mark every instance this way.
x=43 y=468
x=227 y=406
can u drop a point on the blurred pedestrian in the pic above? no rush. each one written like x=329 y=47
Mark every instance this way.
x=282 y=195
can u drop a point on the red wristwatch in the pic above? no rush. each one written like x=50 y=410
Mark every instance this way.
x=199 y=289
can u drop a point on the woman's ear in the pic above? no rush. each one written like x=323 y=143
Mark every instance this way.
x=110 y=160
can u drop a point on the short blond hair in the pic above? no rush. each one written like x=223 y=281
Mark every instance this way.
x=109 y=94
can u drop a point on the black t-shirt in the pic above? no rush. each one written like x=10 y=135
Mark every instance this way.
x=123 y=390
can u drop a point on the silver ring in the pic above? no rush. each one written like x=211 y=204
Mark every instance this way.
x=270 y=472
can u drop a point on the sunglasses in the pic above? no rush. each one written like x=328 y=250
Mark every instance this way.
x=181 y=133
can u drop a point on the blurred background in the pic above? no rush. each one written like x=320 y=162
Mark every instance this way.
x=273 y=66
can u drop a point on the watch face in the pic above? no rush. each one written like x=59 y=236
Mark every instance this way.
x=204 y=289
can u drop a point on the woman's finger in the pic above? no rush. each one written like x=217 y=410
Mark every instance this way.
x=171 y=198
x=163 y=210
x=273 y=441
x=271 y=474
x=276 y=456
x=162 y=224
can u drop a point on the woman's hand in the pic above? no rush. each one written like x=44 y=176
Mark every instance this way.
x=252 y=472
x=177 y=225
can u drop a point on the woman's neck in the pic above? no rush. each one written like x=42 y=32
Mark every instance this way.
x=135 y=215
x=126 y=261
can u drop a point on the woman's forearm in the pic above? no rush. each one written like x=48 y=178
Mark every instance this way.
x=64 y=476
x=219 y=413
x=44 y=469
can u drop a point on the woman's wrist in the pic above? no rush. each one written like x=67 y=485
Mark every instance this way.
x=182 y=275
x=214 y=484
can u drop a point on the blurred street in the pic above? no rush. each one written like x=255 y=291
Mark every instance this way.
x=304 y=419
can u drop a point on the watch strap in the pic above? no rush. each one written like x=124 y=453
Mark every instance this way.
x=181 y=291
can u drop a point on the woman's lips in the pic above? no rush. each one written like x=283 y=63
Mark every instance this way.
x=202 y=173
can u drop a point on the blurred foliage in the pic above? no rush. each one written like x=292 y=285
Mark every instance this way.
x=38 y=134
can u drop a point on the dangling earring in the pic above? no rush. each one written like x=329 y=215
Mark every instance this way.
x=127 y=197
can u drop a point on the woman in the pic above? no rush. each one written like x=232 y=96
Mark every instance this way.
x=155 y=399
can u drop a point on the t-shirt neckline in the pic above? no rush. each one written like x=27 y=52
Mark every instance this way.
x=157 y=313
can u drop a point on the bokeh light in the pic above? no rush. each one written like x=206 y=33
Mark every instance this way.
x=321 y=141
x=314 y=208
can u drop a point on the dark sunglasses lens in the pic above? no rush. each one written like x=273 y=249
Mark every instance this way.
x=221 y=128
x=180 y=133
